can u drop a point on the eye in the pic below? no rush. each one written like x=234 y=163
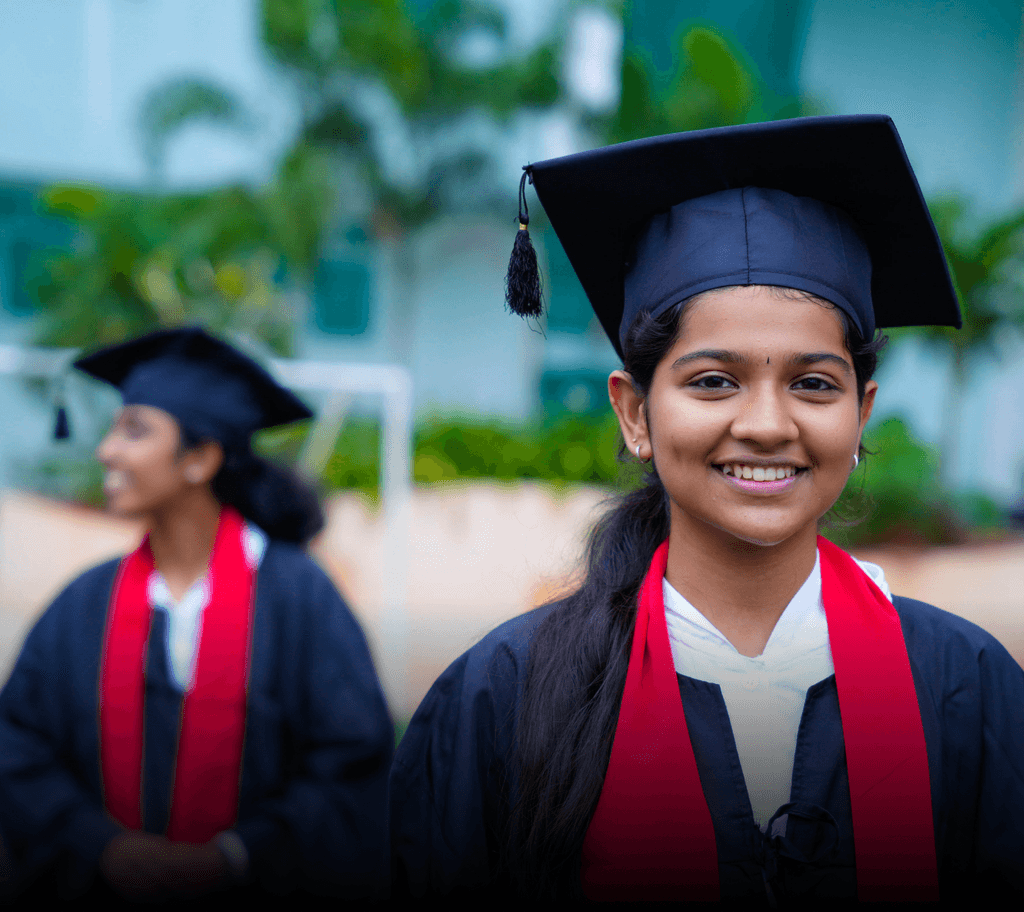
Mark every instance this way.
x=815 y=385
x=133 y=427
x=712 y=383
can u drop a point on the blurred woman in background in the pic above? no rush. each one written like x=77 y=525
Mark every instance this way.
x=203 y=713
x=728 y=707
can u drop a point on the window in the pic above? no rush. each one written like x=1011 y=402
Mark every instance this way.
x=18 y=299
x=567 y=304
x=341 y=297
x=579 y=392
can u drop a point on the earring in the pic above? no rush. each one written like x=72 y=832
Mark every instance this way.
x=856 y=460
x=638 y=451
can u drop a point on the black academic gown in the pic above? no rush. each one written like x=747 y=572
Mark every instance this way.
x=451 y=786
x=318 y=741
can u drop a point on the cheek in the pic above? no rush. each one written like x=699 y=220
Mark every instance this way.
x=834 y=442
x=681 y=424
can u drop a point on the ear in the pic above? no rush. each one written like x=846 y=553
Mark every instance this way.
x=870 y=388
x=203 y=462
x=632 y=415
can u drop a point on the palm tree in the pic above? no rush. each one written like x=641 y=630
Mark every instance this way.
x=985 y=264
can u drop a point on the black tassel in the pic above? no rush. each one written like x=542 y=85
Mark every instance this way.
x=522 y=284
x=61 y=426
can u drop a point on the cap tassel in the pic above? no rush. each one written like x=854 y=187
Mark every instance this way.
x=522 y=284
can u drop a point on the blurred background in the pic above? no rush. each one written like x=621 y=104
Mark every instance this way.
x=334 y=181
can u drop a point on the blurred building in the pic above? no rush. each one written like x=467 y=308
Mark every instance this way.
x=74 y=75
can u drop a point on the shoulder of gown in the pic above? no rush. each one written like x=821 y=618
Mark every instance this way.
x=448 y=788
x=971 y=695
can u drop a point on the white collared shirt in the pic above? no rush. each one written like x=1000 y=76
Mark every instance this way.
x=184 y=617
x=764 y=694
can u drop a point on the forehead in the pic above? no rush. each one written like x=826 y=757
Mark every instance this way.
x=152 y=416
x=761 y=320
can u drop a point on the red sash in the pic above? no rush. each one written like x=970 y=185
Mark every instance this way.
x=206 y=776
x=651 y=836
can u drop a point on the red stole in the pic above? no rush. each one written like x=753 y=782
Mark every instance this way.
x=651 y=836
x=206 y=776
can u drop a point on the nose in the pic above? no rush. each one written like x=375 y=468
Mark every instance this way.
x=106 y=449
x=764 y=418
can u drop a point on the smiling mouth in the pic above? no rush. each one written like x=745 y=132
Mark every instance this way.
x=742 y=472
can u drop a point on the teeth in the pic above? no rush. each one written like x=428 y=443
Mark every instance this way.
x=115 y=481
x=759 y=473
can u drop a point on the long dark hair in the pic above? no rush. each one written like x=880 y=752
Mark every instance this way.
x=273 y=498
x=580 y=652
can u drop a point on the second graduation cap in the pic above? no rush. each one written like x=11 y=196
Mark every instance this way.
x=206 y=385
x=828 y=205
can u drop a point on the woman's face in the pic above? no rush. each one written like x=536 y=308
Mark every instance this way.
x=752 y=417
x=146 y=470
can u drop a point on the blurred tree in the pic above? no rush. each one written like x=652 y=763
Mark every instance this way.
x=404 y=107
x=413 y=101
x=142 y=261
x=713 y=83
x=179 y=103
x=987 y=266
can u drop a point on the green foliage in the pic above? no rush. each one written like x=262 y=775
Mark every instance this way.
x=342 y=53
x=986 y=266
x=574 y=450
x=145 y=261
x=897 y=496
x=714 y=84
x=178 y=103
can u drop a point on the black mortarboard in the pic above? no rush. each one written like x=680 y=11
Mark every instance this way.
x=208 y=386
x=828 y=205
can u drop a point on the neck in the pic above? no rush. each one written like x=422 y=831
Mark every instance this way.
x=181 y=537
x=739 y=587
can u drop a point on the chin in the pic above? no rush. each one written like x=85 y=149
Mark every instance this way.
x=763 y=537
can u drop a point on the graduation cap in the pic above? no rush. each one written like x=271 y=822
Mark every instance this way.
x=828 y=205
x=208 y=386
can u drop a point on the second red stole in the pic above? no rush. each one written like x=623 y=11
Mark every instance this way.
x=206 y=776
x=651 y=836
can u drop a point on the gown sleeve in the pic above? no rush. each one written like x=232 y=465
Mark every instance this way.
x=450 y=781
x=319 y=741
x=51 y=815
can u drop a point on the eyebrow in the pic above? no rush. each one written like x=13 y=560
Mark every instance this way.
x=731 y=357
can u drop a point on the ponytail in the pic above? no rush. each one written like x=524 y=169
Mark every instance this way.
x=578 y=661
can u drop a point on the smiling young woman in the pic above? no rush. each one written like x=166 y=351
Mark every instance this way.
x=753 y=417
x=203 y=714
x=729 y=707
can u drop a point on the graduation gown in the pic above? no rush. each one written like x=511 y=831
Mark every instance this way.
x=317 y=749
x=452 y=783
